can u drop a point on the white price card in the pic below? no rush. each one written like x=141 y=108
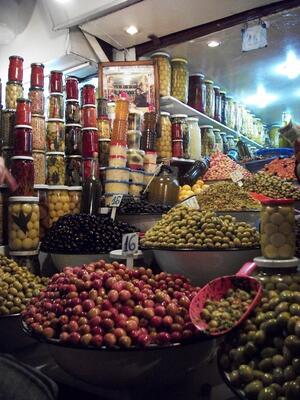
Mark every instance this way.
x=130 y=243
x=236 y=176
x=191 y=202
x=116 y=200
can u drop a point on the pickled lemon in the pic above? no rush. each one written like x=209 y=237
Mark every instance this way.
x=277 y=218
x=270 y=251
x=270 y=228
x=278 y=239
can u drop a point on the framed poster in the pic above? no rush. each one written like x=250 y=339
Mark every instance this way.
x=135 y=80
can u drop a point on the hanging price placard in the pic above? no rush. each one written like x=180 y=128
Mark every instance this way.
x=130 y=243
x=237 y=177
x=191 y=202
x=115 y=203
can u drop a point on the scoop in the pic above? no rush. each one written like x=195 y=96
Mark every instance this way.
x=216 y=289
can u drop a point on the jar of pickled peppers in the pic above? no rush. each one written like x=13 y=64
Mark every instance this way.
x=164 y=72
x=180 y=75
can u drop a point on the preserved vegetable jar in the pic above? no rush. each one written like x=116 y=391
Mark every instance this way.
x=73 y=139
x=89 y=119
x=55 y=136
x=230 y=142
x=278 y=229
x=274 y=135
x=37 y=98
x=39 y=163
x=218 y=140
x=119 y=131
x=89 y=142
x=14 y=90
x=148 y=142
x=23 y=112
x=38 y=132
x=239 y=118
x=58 y=202
x=22 y=170
x=88 y=95
x=73 y=171
x=111 y=113
x=103 y=150
x=102 y=107
x=195 y=138
x=164 y=141
x=7 y=127
x=223 y=107
x=207 y=140
x=218 y=104
x=235 y=114
x=23 y=223
x=225 y=143
x=72 y=92
x=260 y=131
x=164 y=72
x=22 y=140
x=186 y=142
x=180 y=75
x=122 y=109
x=103 y=126
x=230 y=112
x=178 y=125
x=55 y=168
x=210 y=99
x=41 y=191
x=15 y=69
x=197 y=92
x=134 y=139
x=90 y=168
x=37 y=75
x=56 y=106
x=135 y=159
x=177 y=148
x=75 y=194
x=56 y=82
x=72 y=112
x=134 y=121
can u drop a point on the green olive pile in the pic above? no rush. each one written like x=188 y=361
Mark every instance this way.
x=271 y=186
x=263 y=357
x=223 y=314
x=183 y=227
x=17 y=286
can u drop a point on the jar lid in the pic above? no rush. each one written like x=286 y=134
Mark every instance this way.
x=8 y=110
x=160 y=53
x=277 y=202
x=37 y=65
x=74 y=188
x=178 y=116
x=72 y=100
x=89 y=105
x=56 y=71
x=140 y=152
x=217 y=87
x=134 y=171
x=71 y=78
x=22 y=158
x=206 y=126
x=194 y=119
x=74 y=156
x=23 y=126
x=216 y=130
x=111 y=181
x=223 y=91
x=90 y=128
x=57 y=187
x=38 y=116
x=22 y=199
x=180 y=59
x=76 y=125
x=266 y=263
x=40 y=187
x=38 y=151
x=114 y=168
x=165 y=113
x=14 y=83
x=55 y=153
x=104 y=140
x=24 y=253
x=202 y=75
x=38 y=88
x=55 y=94
x=209 y=81
x=55 y=120
x=17 y=57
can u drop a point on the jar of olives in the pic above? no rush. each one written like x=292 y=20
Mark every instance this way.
x=14 y=90
x=39 y=163
x=180 y=75
x=58 y=202
x=55 y=136
x=278 y=229
x=23 y=223
x=164 y=140
x=55 y=168
x=56 y=106
x=164 y=72
x=75 y=193
x=207 y=140
x=210 y=99
x=41 y=191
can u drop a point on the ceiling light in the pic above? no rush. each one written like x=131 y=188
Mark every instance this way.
x=291 y=67
x=261 y=98
x=213 y=43
x=132 y=30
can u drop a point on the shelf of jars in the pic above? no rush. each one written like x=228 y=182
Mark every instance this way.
x=174 y=106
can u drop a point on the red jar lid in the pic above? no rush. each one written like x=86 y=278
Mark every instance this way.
x=277 y=202
x=16 y=57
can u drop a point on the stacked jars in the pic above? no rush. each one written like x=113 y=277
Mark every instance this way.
x=164 y=139
x=162 y=60
x=178 y=133
x=197 y=92
x=73 y=134
x=104 y=133
x=180 y=76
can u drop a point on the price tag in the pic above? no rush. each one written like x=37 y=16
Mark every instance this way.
x=130 y=243
x=191 y=202
x=115 y=203
x=237 y=177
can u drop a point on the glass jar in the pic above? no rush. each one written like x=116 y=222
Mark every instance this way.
x=56 y=82
x=239 y=118
x=148 y=140
x=135 y=159
x=101 y=107
x=223 y=107
x=56 y=106
x=180 y=75
x=134 y=139
x=23 y=112
x=55 y=136
x=230 y=142
x=244 y=120
x=90 y=168
x=235 y=114
x=89 y=142
x=58 y=202
x=218 y=140
x=73 y=139
x=207 y=140
x=122 y=109
x=103 y=151
x=15 y=69
x=14 y=90
x=37 y=98
x=37 y=75
x=162 y=60
x=73 y=171
x=230 y=112
x=197 y=92
x=134 y=121
x=39 y=163
x=41 y=191
x=254 y=130
x=89 y=116
x=55 y=168
x=103 y=128
x=277 y=228
x=119 y=131
x=88 y=95
x=111 y=113
x=72 y=92
x=164 y=188
x=38 y=132
x=195 y=138
x=177 y=148
x=72 y=112
x=260 y=131
x=186 y=141
x=7 y=127
x=23 y=171
x=23 y=223
x=210 y=99
x=178 y=124
x=218 y=104
x=274 y=135
x=75 y=194
x=135 y=189
x=225 y=143
x=27 y=259
x=22 y=140
x=164 y=141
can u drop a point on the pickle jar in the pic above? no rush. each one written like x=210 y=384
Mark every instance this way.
x=135 y=159
x=89 y=142
x=134 y=121
x=274 y=135
x=38 y=132
x=23 y=140
x=37 y=75
x=218 y=104
x=178 y=125
x=102 y=107
x=88 y=95
x=55 y=161
x=41 y=191
x=180 y=75
x=210 y=99
x=37 y=98
x=103 y=151
x=39 y=163
x=90 y=168
x=195 y=138
x=207 y=140
x=223 y=107
x=56 y=82
x=14 y=90
x=134 y=139
x=162 y=60
x=56 y=106
x=103 y=126
x=278 y=229
x=164 y=140
x=22 y=170
x=72 y=92
x=23 y=223
x=72 y=112
x=89 y=116
x=197 y=92
x=230 y=142
x=230 y=111
x=7 y=127
x=58 y=202
x=73 y=170
x=23 y=112
x=73 y=139
x=122 y=109
x=225 y=142
x=218 y=140
x=15 y=69
x=75 y=194
x=55 y=136
x=186 y=144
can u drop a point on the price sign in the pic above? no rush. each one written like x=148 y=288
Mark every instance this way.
x=236 y=177
x=116 y=200
x=191 y=202
x=130 y=243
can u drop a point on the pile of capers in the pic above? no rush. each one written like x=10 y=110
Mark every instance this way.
x=262 y=358
x=17 y=286
x=271 y=186
x=183 y=227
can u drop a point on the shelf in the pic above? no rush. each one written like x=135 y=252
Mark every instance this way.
x=174 y=106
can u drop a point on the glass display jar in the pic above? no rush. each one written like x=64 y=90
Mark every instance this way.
x=277 y=228
x=207 y=140
x=7 y=127
x=103 y=126
x=134 y=121
x=101 y=107
x=230 y=142
x=15 y=69
x=274 y=135
x=75 y=194
x=210 y=99
x=56 y=82
x=103 y=151
x=41 y=191
x=197 y=92
x=14 y=90
x=23 y=223
x=89 y=142
x=72 y=112
x=179 y=81
x=39 y=163
x=55 y=135
x=225 y=143
x=37 y=98
x=230 y=112
x=58 y=202
x=89 y=116
x=23 y=171
x=164 y=72
x=72 y=92
x=55 y=168
x=218 y=104
x=22 y=140
x=164 y=140
x=90 y=167
x=122 y=109
x=111 y=113
x=239 y=118
x=260 y=131
x=178 y=125
x=88 y=95
x=195 y=138
x=56 y=106
x=177 y=148
x=73 y=173
x=73 y=139
x=38 y=132
x=218 y=140
x=235 y=114
x=223 y=107
x=119 y=131
x=23 y=112
x=186 y=144
x=134 y=139
x=37 y=75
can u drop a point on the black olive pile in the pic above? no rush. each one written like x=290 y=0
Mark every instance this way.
x=130 y=205
x=85 y=234
x=298 y=238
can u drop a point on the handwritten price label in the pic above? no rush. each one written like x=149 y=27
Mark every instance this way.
x=130 y=243
x=116 y=200
x=236 y=176
x=191 y=202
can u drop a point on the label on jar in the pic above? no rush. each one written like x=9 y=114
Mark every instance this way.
x=191 y=202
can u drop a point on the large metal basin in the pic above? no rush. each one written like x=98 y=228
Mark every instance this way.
x=12 y=336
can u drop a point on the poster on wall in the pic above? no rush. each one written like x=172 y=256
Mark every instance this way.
x=135 y=80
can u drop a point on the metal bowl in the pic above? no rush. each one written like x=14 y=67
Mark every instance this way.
x=12 y=336
x=143 y=222
x=61 y=261
x=201 y=266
